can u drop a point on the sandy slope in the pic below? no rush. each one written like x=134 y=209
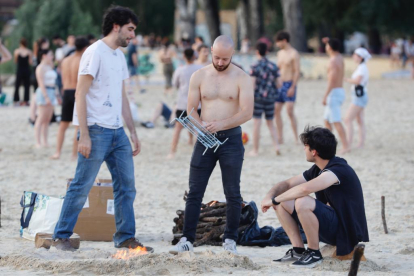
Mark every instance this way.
x=385 y=167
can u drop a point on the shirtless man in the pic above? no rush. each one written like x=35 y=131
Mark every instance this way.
x=288 y=63
x=202 y=55
x=69 y=67
x=226 y=95
x=335 y=94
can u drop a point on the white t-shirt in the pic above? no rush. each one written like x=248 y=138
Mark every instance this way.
x=181 y=79
x=104 y=100
x=362 y=70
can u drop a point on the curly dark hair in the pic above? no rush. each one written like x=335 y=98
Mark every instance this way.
x=320 y=139
x=117 y=15
x=282 y=35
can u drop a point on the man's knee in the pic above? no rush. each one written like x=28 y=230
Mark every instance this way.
x=304 y=204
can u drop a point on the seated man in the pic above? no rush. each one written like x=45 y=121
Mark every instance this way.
x=336 y=216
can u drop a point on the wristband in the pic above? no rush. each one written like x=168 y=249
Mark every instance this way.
x=275 y=202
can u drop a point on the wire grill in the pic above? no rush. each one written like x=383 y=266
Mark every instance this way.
x=205 y=137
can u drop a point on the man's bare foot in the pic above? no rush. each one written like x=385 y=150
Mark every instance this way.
x=280 y=140
x=55 y=156
x=170 y=156
x=360 y=146
x=253 y=153
x=278 y=152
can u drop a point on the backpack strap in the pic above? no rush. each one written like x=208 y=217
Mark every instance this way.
x=24 y=222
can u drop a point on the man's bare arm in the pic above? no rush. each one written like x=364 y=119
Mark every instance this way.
x=296 y=69
x=332 y=71
x=126 y=112
x=65 y=72
x=246 y=103
x=319 y=183
x=82 y=88
x=194 y=95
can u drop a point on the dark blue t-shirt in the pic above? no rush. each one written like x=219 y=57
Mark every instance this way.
x=131 y=49
x=347 y=199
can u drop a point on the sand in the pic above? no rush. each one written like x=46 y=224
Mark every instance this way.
x=384 y=167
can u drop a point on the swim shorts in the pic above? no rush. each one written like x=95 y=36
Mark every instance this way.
x=333 y=105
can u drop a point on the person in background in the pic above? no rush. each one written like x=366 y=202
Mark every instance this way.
x=266 y=78
x=166 y=55
x=41 y=44
x=359 y=81
x=203 y=53
x=181 y=80
x=45 y=96
x=24 y=59
x=5 y=56
x=69 y=67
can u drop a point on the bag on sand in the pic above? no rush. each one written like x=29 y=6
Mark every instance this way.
x=40 y=214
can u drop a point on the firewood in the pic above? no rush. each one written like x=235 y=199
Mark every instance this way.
x=204 y=224
x=180 y=212
x=384 y=222
x=213 y=213
x=213 y=219
x=215 y=206
x=212 y=235
x=203 y=230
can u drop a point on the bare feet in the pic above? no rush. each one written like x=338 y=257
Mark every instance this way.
x=55 y=156
x=360 y=146
x=280 y=140
x=170 y=156
x=253 y=153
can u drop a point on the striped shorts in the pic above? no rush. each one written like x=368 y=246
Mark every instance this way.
x=260 y=107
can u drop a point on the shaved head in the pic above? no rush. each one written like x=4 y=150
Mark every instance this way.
x=222 y=51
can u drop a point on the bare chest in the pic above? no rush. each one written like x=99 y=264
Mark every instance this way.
x=220 y=88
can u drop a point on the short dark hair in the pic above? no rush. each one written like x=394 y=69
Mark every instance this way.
x=56 y=36
x=201 y=38
x=335 y=44
x=261 y=48
x=189 y=54
x=23 y=41
x=282 y=35
x=90 y=36
x=117 y=15
x=201 y=47
x=320 y=139
x=81 y=43
x=43 y=52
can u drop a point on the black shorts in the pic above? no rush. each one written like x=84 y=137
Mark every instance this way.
x=68 y=103
x=260 y=107
x=178 y=113
x=328 y=222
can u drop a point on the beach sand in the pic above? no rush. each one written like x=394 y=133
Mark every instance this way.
x=384 y=166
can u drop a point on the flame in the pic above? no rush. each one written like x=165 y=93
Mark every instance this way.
x=213 y=203
x=130 y=253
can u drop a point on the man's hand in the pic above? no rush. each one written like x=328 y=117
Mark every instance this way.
x=85 y=145
x=213 y=127
x=266 y=204
x=137 y=144
x=48 y=102
x=324 y=100
x=291 y=92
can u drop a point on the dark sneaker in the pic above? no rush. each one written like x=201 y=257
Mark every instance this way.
x=134 y=243
x=64 y=245
x=309 y=259
x=147 y=125
x=290 y=256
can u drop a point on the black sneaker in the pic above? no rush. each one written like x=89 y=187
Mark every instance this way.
x=147 y=125
x=290 y=256
x=134 y=243
x=309 y=259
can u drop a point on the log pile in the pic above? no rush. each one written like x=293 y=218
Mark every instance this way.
x=210 y=227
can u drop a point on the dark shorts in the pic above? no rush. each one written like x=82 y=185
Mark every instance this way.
x=166 y=112
x=328 y=222
x=68 y=103
x=178 y=113
x=260 y=107
x=282 y=97
x=132 y=70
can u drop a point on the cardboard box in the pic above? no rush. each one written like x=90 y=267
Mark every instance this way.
x=96 y=221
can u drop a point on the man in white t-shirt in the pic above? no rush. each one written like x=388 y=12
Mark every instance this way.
x=101 y=103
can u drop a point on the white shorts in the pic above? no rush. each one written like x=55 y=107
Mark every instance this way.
x=333 y=105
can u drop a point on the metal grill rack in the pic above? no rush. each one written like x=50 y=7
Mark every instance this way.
x=204 y=136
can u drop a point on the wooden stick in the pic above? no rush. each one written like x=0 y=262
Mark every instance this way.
x=358 y=253
x=213 y=213
x=204 y=224
x=384 y=222
x=213 y=219
x=180 y=212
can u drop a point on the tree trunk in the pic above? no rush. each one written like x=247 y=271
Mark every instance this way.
x=242 y=12
x=187 y=15
x=374 y=40
x=293 y=20
x=212 y=13
x=256 y=20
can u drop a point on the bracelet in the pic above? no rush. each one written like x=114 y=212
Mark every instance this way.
x=275 y=202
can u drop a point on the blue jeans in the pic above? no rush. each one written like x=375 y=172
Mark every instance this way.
x=113 y=147
x=230 y=156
